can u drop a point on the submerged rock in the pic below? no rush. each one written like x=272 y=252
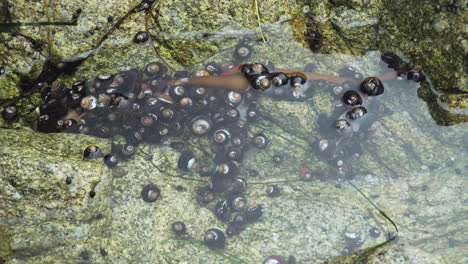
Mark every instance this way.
x=57 y=207
x=390 y=254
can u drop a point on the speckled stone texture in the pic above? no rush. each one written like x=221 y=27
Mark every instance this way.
x=411 y=167
x=394 y=254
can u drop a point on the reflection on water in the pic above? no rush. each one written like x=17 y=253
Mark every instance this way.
x=257 y=155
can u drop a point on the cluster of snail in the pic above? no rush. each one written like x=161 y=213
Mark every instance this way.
x=218 y=102
x=355 y=113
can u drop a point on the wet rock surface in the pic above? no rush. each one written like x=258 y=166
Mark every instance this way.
x=410 y=166
x=393 y=254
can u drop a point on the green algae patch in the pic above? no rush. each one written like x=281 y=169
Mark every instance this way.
x=5 y=239
x=10 y=88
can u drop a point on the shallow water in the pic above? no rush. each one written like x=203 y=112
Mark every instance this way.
x=409 y=168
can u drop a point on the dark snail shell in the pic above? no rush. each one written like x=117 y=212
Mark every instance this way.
x=45 y=94
x=253 y=69
x=234 y=98
x=148 y=120
x=200 y=125
x=79 y=87
x=326 y=149
x=182 y=74
x=392 y=60
x=221 y=170
x=123 y=104
x=234 y=153
x=103 y=100
x=221 y=136
x=127 y=150
x=74 y=100
x=133 y=138
x=143 y=6
x=226 y=116
x=162 y=129
x=70 y=126
x=401 y=75
x=92 y=152
x=269 y=65
x=215 y=238
x=239 y=222
x=297 y=82
x=157 y=84
x=253 y=212
x=261 y=82
x=186 y=104
x=82 y=129
x=111 y=160
x=58 y=90
x=150 y=193
x=58 y=125
x=243 y=51
x=352 y=98
x=273 y=190
x=277 y=159
x=231 y=230
x=222 y=211
x=10 y=113
x=274 y=260
x=260 y=141
x=236 y=201
x=372 y=86
x=342 y=124
x=230 y=115
x=205 y=171
x=89 y=102
x=44 y=124
x=141 y=37
x=416 y=76
x=314 y=39
x=199 y=93
x=213 y=68
x=187 y=161
x=104 y=82
x=167 y=115
x=178 y=227
x=202 y=73
x=356 y=113
x=89 y=118
x=103 y=131
x=151 y=105
x=279 y=79
x=145 y=92
x=239 y=185
x=176 y=92
x=54 y=108
x=176 y=128
x=205 y=195
x=226 y=169
x=155 y=69
x=252 y=112
x=238 y=141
